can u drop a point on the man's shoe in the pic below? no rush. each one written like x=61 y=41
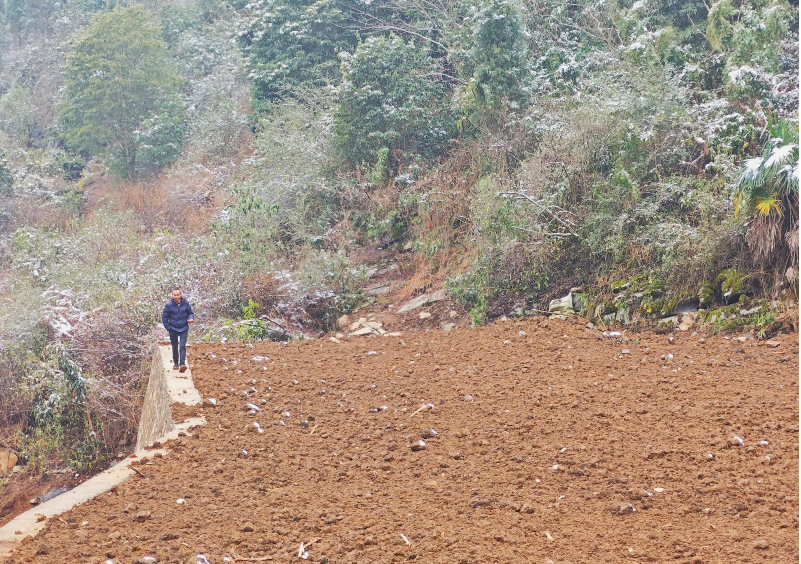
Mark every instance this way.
x=183 y=368
x=175 y=367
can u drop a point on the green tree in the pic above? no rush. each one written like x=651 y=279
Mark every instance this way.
x=18 y=115
x=24 y=16
x=122 y=95
x=394 y=97
x=6 y=176
x=295 y=42
x=497 y=56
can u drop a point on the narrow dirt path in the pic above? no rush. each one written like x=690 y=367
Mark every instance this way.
x=552 y=445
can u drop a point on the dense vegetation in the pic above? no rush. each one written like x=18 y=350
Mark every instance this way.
x=646 y=151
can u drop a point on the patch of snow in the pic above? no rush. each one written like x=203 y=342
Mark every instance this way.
x=779 y=154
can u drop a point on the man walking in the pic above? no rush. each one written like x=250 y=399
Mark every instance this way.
x=176 y=317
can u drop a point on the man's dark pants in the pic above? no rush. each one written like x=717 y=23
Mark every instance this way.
x=175 y=337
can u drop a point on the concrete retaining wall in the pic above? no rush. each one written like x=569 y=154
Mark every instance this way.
x=165 y=386
x=156 y=419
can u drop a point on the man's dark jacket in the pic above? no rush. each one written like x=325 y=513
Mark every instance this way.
x=175 y=315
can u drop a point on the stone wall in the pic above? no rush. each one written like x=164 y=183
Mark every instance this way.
x=156 y=420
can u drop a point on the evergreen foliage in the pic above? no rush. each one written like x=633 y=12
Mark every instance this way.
x=393 y=97
x=768 y=195
x=292 y=43
x=496 y=63
x=122 y=94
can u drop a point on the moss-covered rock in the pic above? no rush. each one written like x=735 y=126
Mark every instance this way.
x=731 y=283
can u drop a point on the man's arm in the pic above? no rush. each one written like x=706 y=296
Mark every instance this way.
x=165 y=316
x=191 y=317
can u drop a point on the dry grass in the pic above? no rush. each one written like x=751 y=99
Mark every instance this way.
x=444 y=222
x=178 y=202
x=185 y=196
x=13 y=409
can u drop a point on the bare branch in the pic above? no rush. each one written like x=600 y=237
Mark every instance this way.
x=546 y=209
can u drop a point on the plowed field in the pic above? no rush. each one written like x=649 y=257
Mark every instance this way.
x=551 y=444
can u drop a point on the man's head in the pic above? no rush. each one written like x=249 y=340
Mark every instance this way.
x=176 y=295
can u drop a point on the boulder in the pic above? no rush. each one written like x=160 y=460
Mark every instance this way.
x=561 y=308
x=421 y=300
x=687 y=321
x=623 y=316
x=383 y=288
x=8 y=459
x=671 y=321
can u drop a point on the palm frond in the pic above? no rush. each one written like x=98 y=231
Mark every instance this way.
x=765 y=205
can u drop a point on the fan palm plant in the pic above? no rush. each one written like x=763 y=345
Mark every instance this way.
x=767 y=195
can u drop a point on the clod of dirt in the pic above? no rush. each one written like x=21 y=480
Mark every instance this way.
x=148 y=560
x=761 y=544
x=247 y=527
x=430 y=433
x=142 y=516
x=418 y=445
x=624 y=509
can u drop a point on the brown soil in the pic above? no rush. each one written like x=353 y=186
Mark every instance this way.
x=553 y=447
x=20 y=489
